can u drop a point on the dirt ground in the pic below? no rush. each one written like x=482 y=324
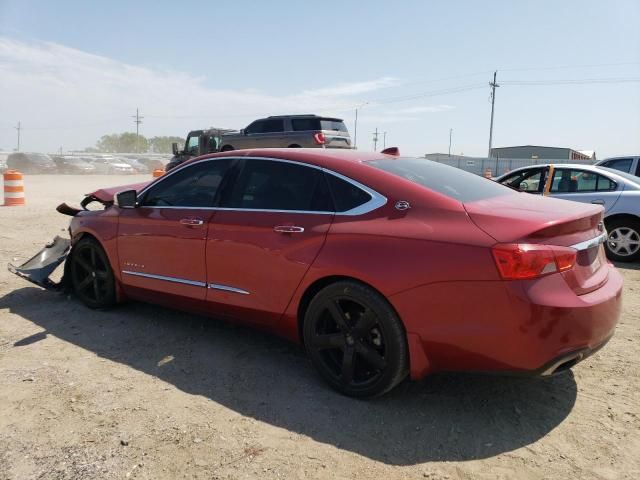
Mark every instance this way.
x=149 y=393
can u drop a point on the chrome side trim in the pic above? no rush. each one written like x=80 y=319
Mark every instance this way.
x=227 y=288
x=193 y=283
x=377 y=200
x=593 y=242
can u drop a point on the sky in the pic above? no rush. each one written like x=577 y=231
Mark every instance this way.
x=569 y=72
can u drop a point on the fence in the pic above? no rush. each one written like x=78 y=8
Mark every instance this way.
x=500 y=166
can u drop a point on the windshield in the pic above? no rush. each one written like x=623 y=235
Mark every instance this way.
x=450 y=181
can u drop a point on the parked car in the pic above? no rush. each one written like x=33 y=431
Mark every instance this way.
x=617 y=192
x=290 y=131
x=110 y=165
x=139 y=167
x=630 y=164
x=31 y=163
x=73 y=165
x=3 y=162
x=380 y=266
x=152 y=163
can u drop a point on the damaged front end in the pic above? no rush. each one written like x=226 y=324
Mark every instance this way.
x=41 y=266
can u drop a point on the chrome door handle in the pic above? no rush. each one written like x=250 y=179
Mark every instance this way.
x=598 y=202
x=191 y=221
x=288 y=229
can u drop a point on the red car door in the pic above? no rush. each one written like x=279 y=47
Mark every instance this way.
x=265 y=236
x=162 y=242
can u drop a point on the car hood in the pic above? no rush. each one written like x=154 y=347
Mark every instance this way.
x=105 y=195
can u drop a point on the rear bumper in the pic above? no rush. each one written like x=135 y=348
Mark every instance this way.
x=528 y=327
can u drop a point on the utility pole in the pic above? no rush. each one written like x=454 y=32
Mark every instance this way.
x=450 y=133
x=493 y=86
x=375 y=139
x=138 y=121
x=355 y=131
x=18 y=128
x=384 y=140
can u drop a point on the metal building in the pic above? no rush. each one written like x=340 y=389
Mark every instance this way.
x=536 y=152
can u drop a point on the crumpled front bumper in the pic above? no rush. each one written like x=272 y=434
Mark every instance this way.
x=38 y=269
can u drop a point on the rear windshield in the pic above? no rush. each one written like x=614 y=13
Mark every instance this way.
x=303 y=124
x=450 y=181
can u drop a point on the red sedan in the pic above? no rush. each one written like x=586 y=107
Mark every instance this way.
x=380 y=266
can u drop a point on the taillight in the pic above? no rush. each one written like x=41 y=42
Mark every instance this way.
x=319 y=138
x=517 y=261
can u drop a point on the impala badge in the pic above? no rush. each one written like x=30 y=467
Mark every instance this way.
x=403 y=205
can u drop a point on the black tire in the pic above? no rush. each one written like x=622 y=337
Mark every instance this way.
x=226 y=148
x=91 y=276
x=623 y=244
x=349 y=320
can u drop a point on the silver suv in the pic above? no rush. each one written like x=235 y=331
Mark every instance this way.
x=292 y=131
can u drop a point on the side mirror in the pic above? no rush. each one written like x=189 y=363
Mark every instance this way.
x=243 y=131
x=127 y=199
x=174 y=148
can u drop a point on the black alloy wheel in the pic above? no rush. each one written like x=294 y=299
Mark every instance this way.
x=91 y=275
x=355 y=340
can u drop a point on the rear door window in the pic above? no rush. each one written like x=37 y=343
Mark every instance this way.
x=274 y=185
x=346 y=196
x=567 y=180
x=622 y=164
x=273 y=126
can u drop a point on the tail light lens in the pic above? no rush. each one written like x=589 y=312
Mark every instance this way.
x=518 y=261
x=319 y=138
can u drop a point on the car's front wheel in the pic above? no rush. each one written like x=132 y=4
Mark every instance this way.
x=92 y=279
x=355 y=340
x=623 y=244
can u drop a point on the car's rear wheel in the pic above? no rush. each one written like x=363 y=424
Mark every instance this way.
x=623 y=244
x=91 y=275
x=355 y=340
x=227 y=148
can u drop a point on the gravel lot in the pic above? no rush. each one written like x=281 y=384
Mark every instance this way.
x=144 y=392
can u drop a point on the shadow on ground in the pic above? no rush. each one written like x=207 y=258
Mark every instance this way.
x=445 y=417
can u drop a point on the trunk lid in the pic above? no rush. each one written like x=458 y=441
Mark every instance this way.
x=526 y=218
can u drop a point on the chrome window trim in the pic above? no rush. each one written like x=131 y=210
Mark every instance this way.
x=193 y=283
x=377 y=200
x=227 y=288
x=592 y=242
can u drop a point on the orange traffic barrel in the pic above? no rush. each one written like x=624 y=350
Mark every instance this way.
x=13 y=188
x=158 y=172
x=487 y=173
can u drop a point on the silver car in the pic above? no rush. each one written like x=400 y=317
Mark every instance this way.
x=629 y=164
x=616 y=191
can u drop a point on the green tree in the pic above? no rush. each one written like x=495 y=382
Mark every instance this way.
x=163 y=144
x=127 y=142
